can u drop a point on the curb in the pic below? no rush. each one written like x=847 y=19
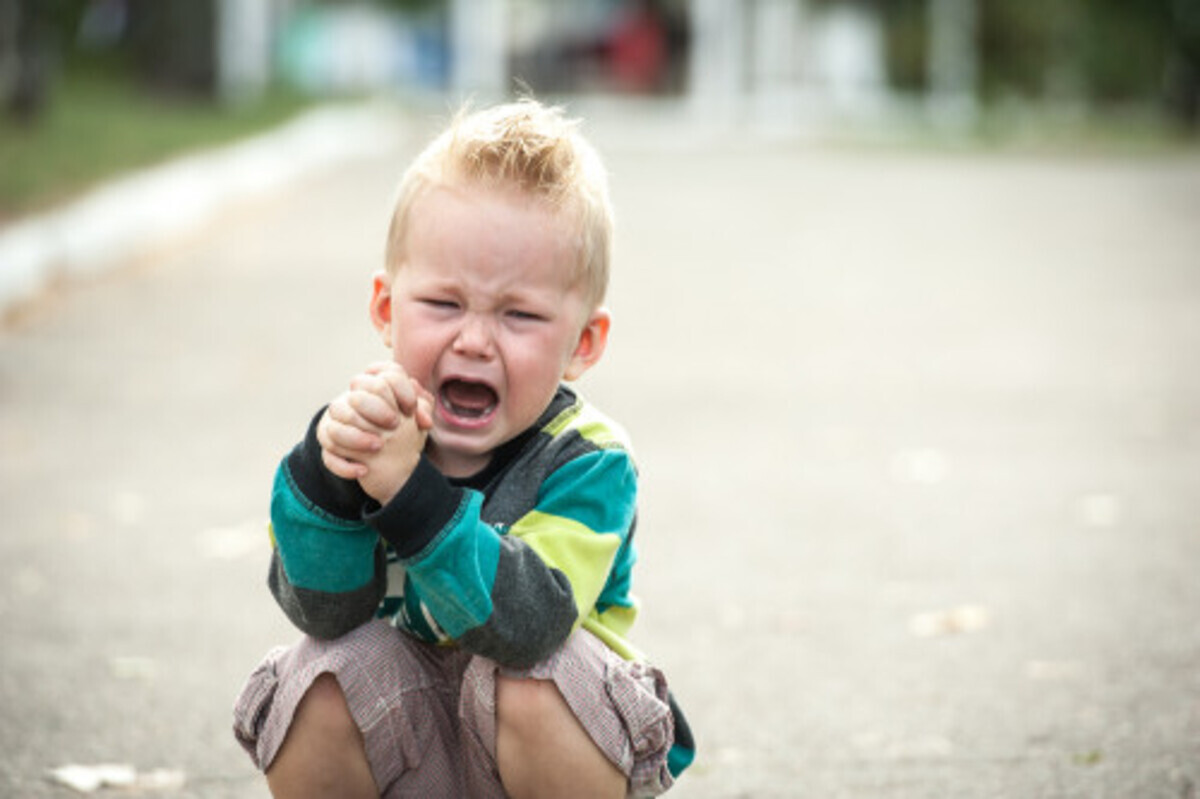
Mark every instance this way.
x=120 y=219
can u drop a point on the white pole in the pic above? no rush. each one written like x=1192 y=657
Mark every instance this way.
x=953 y=62
x=243 y=48
x=717 y=70
x=479 y=47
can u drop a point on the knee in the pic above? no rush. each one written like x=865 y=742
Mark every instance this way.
x=323 y=712
x=542 y=750
x=525 y=707
x=322 y=754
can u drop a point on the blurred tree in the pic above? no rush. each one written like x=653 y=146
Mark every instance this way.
x=167 y=45
x=173 y=44
x=1019 y=47
x=1123 y=47
x=907 y=41
x=413 y=6
x=1181 y=89
x=24 y=58
x=1106 y=53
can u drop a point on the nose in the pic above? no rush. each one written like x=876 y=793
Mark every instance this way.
x=475 y=339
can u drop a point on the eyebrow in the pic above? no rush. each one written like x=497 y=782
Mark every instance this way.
x=507 y=296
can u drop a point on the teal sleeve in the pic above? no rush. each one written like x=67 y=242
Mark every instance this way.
x=555 y=561
x=319 y=551
x=515 y=594
x=328 y=574
x=455 y=573
x=582 y=525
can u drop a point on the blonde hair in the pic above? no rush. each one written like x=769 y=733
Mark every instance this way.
x=525 y=146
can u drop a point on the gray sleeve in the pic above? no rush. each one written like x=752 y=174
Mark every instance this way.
x=533 y=610
x=324 y=615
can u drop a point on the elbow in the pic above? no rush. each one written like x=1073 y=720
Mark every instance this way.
x=325 y=628
x=525 y=640
x=318 y=614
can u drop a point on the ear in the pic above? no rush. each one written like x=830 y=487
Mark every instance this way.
x=381 y=305
x=592 y=341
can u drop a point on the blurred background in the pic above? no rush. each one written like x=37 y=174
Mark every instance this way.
x=907 y=325
x=997 y=69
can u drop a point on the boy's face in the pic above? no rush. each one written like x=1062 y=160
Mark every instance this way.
x=486 y=314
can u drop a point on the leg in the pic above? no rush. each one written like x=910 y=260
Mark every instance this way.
x=543 y=751
x=323 y=753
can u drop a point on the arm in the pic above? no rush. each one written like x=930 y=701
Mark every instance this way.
x=514 y=598
x=327 y=568
x=375 y=432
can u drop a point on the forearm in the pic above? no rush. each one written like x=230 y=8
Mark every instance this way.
x=533 y=610
x=511 y=597
x=322 y=614
x=327 y=571
x=464 y=572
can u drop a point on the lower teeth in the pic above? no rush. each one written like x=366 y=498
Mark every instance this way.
x=469 y=413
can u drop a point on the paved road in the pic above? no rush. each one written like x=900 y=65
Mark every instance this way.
x=920 y=436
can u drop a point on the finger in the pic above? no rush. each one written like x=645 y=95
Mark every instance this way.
x=424 y=406
x=378 y=386
x=370 y=381
x=339 y=410
x=343 y=411
x=379 y=412
x=347 y=440
x=346 y=469
x=327 y=419
x=424 y=413
x=422 y=392
x=381 y=385
x=398 y=379
x=402 y=391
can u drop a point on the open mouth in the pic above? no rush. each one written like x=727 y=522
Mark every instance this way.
x=467 y=400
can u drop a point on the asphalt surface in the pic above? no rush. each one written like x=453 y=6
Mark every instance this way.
x=919 y=432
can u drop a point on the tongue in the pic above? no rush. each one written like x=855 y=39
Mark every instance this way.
x=468 y=399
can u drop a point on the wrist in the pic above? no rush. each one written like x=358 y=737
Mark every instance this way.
x=418 y=510
x=387 y=475
x=337 y=496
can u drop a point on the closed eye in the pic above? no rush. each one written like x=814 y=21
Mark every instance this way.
x=525 y=316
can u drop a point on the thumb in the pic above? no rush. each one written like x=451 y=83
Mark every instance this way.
x=424 y=410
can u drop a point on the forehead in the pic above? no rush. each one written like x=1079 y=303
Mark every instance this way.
x=466 y=224
x=471 y=199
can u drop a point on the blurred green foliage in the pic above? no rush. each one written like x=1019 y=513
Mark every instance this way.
x=906 y=40
x=101 y=104
x=95 y=124
x=105 y=104
x=1102 y=53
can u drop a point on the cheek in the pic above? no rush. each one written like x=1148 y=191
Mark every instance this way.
x=544 y=358
x=415 y=351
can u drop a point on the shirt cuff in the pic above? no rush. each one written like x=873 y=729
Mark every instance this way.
x=337 y=496
x=420 y=510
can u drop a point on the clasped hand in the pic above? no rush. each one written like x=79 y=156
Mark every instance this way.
x=375 y=431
